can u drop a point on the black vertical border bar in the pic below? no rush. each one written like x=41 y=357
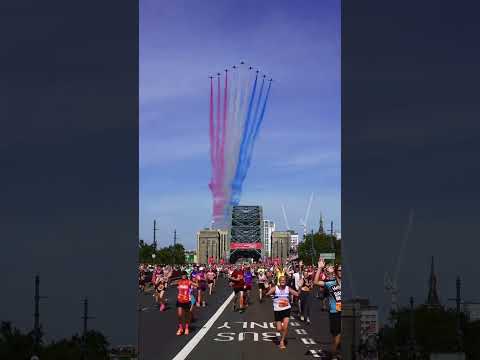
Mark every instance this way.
x=69 y=165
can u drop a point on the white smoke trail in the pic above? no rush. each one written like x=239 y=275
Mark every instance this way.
x=240 y=116
x=231 y=123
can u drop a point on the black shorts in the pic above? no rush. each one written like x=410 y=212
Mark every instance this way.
x=280 y=315
x=237 y=290
x=261 y=286
x=210 y=281
x=335 y=323
x=185 y=306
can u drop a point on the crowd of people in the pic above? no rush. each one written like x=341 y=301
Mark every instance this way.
x=291 y=287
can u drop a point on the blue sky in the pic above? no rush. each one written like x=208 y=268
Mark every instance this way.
x=298 y=149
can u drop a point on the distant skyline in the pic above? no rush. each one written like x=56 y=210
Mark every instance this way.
x=298 y=149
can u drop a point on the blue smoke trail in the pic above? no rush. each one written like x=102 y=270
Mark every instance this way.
x=248 y=124
x=255 y=134
x=242 y=168
x=248 y=128
x=250 y=135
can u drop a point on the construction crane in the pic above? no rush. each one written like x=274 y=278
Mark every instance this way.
x=304 y=221
x=285 y=218
x=390 y=284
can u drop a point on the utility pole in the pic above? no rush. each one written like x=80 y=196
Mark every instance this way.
x=174 y=237
x=354 y=334
x=458 y=302
x=155 y=234
x=85 y=318
x=36 y=325
x=412 y=347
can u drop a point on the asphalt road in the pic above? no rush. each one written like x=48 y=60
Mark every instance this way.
x=232 y=335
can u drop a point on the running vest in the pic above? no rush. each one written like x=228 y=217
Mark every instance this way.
x=281 y=299
x=183 y=295
x=248 y=278
x=334 y=295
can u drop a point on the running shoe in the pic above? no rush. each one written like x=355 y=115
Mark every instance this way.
x=180 y=331
x=187 y=331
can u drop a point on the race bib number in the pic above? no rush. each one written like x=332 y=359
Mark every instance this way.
x=283 y=303
x=183 y=298
x=338 y=307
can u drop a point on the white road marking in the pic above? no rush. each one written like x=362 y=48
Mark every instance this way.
x=182 y=355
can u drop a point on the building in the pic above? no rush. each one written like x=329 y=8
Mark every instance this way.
x=472 y=310
x=268 y=228
x=359 y=327
x=294 y=239
x=224 y=246
x=212 y=245
x=281 y=241
x=246 y=233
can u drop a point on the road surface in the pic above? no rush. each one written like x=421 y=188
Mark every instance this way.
x=219 y=333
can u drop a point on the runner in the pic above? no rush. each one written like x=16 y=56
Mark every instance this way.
x=279 y=272
x=160 y=288
x=248 y=278
x=297 y=275
x=202 y=287
x=238 y=285
x=184 y=287
x=262 y=284
x=141 y=279
x=305 y=285
x=210 y=280
x=333 y=284
x=281 y=308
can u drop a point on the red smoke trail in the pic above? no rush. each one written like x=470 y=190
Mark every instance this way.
x=217 y=130
x=212 y=150
x=224 y=133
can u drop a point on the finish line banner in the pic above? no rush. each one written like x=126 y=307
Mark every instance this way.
x=246 y=246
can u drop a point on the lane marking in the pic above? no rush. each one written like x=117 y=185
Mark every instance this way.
x=182 y=355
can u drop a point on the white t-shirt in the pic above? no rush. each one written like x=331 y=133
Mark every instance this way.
x=296 y=276
x=281 y=299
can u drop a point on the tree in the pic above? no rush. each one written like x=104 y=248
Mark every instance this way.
x=14 y=344
x=173 y=254
x=435 y=332
x=322 y=243
x=471 y=339
x=145 y=252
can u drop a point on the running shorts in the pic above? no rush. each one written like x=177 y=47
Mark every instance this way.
x=185 y=306
x=237 y=290
x=261 y=286
x=335 y=323
x=248 y=287
x=210 y=281
x=203 y=285
x=282 y=314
